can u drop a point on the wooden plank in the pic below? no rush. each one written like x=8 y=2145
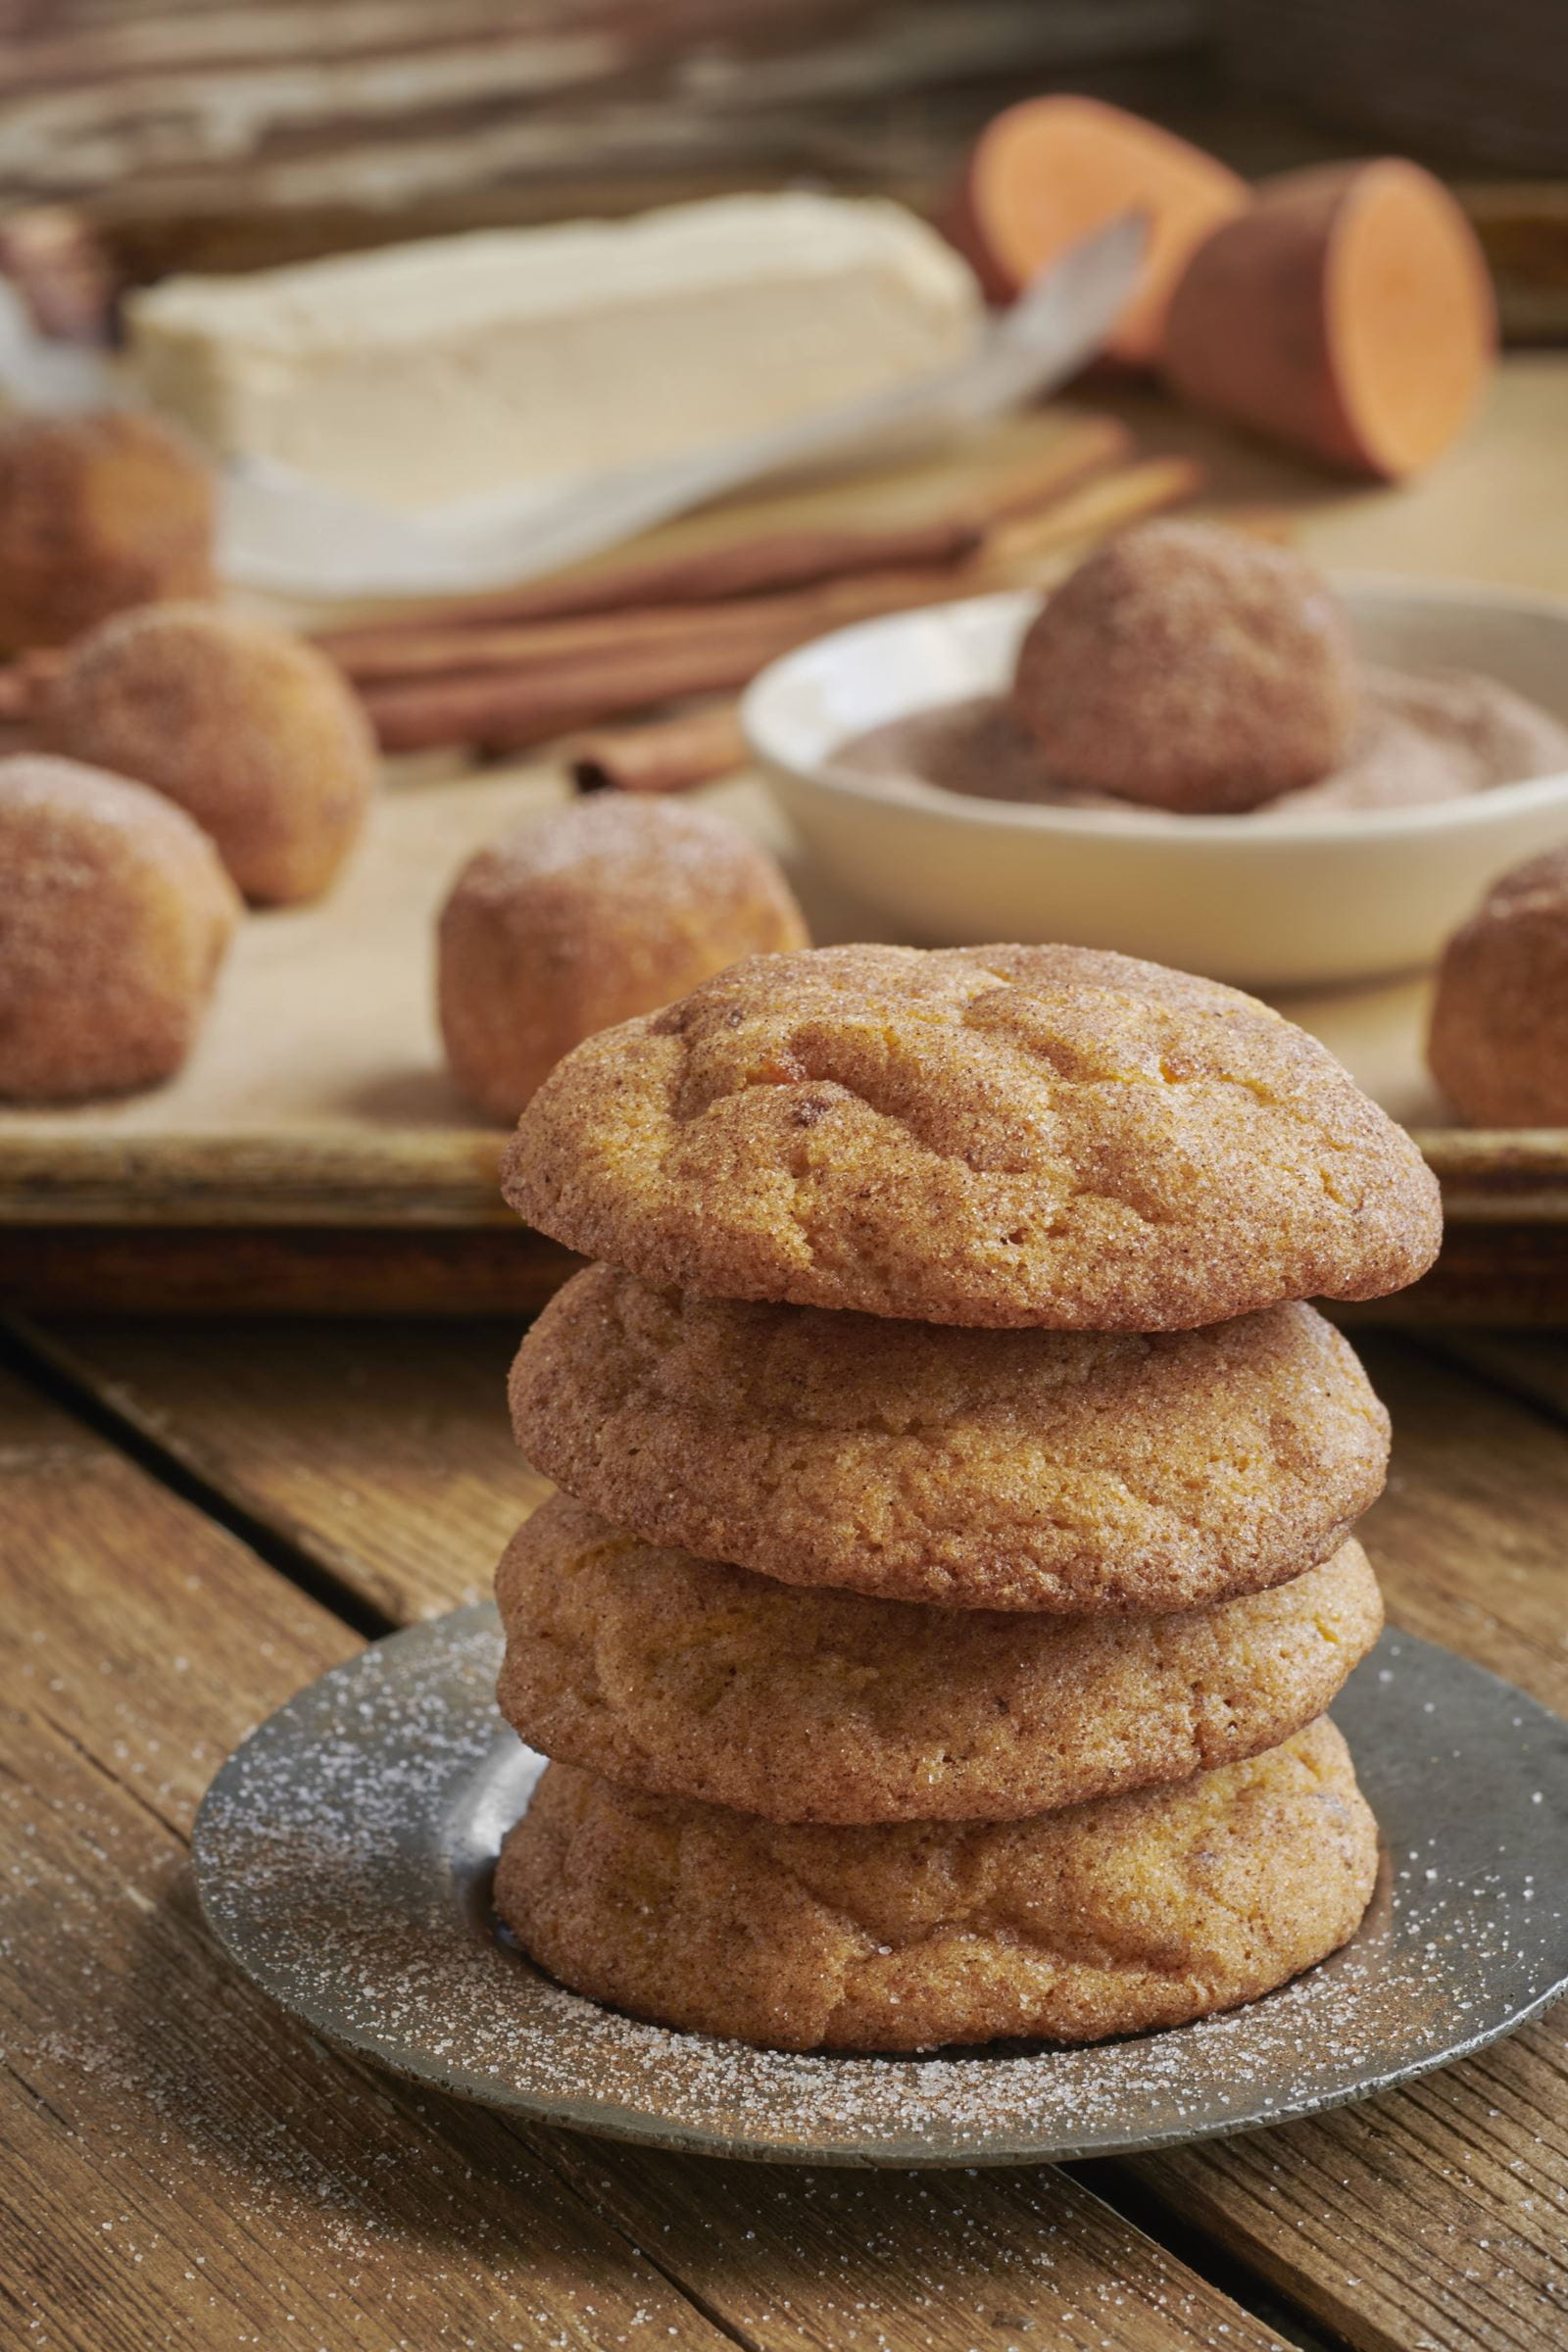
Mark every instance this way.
x=1529 y=1364
x=283 y=108
x=184 y=2163
x=1469 y=1536
x=837 y=2260
x=407 y=1489
x=1467 y=1539
x=323 y=1177
x=1434 y=2217
x=284 y=1270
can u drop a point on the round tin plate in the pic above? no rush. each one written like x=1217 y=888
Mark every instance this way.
x=344 y=1856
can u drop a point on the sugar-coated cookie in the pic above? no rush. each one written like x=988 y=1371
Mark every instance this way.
x=980 y=1469
x=686 y=1677
x=996 y=1136
x=98 y=511
x=1107 y=1918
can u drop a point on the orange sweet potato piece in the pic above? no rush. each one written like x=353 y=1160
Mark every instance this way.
x=1347 y=314
x=1050 y=169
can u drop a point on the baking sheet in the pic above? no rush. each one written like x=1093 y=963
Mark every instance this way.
x=324 y=1016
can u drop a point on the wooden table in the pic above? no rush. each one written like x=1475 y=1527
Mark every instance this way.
x=197 y=1520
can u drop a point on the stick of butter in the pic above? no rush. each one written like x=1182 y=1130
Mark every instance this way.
x=441 y=370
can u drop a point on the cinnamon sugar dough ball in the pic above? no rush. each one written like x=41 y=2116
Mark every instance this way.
x=249 y=729
x=1499 y=1041
x=578 y=920
x=97 y=512
x=1190 y=669
x=115 y=916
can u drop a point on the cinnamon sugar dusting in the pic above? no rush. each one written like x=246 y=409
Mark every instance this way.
x=1423 y=737
x=344 y=1855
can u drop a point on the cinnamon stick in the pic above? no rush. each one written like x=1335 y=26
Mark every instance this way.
x=719 y=649
x=664 y=755
x=1088 y=446
x=762 y=564
x=372 y=656
x=778 y=561
x=707 y=648
x=505 y=709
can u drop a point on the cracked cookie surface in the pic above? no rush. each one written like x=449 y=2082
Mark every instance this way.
x=987 y=1136
x=1114 y=1917
x=687 y=1678
x=979 y=1469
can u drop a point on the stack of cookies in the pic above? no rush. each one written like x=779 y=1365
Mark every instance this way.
x=953 y=1562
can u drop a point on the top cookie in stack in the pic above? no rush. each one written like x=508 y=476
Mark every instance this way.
x=910 y=1683
x=1051 y=1136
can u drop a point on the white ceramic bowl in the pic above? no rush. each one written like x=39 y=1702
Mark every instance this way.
x=1293 y=901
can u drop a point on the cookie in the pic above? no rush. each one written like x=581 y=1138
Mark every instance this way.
x=994 y=1136
x=1109 y=1918
x=586 y=916
x=1498 y=1039
x=248 y=728
x=1188 y=667
x=115 y=916
x=687 y=1678
x=981 y=1469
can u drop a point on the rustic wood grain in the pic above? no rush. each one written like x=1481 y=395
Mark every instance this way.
x=1438 y=2217
x=332 y=1176
x=408 y=1487
x=158 y=112
x=1529 y=1364
x=837 y=2260
x=182 y=2164
x=285 y=1270
x=1467 y=1539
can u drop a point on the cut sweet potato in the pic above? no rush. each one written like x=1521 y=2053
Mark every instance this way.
x=1347 y=314
x=1049 y=170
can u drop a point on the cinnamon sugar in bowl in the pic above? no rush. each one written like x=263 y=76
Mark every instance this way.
x=1327 y=885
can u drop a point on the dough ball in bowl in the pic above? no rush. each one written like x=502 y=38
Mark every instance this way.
x=584 y=917
x=97 y=512
x=115 y=916
x=249 y=729
x=1190 y=669
x=1499 y=1041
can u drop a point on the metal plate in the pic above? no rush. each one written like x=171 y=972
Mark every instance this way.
x=344 y=1856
